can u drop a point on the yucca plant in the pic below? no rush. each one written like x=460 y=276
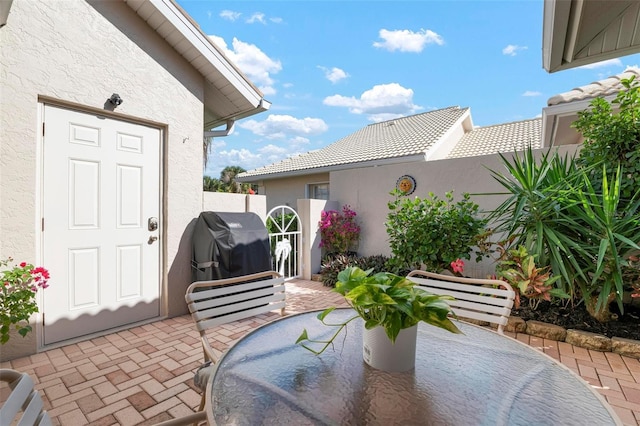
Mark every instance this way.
x=538 y=191
x=608 y=237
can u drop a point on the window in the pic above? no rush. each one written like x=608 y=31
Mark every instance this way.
x=318 y=191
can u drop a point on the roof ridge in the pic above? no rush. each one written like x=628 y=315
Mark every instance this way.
x=416 y=115
x=604 y=87
x=507 y=123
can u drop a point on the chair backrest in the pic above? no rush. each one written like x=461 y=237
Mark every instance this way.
x=216 y=302
x=23 y=406
x=475 y=298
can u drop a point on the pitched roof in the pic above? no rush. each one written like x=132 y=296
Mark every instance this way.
x=393 y=139
x=606 y=87
x=508 y=137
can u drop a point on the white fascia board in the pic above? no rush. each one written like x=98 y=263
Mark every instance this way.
x=551 y=114
x=338 y=167
x=554 y=32
x=205 y=47
x=446 y=143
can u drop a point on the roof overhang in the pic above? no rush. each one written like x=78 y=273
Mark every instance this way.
x=557 y=121
x=228 y=93
x=582 y=32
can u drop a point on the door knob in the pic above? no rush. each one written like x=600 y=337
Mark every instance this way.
x=152 y=239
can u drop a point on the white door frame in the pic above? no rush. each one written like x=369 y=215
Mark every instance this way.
x=39 y=202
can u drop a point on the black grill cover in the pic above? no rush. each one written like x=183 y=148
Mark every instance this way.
x=227 y=245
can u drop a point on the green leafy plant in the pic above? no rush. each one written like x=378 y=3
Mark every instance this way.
x=608 y=236
x=18 y=287
x=556 y=213
x=332 y=265
x=384 y=300
x=612 y=138
x=431 y=231
x=518 y=268
x=538 y=189
x=339 y=231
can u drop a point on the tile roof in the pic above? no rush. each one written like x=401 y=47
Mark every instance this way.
x=606 y=87
x=401 y=137
x=508 y=137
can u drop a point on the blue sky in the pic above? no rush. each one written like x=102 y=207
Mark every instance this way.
x=330 y=68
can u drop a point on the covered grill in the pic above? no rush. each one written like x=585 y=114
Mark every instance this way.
x=229 y=245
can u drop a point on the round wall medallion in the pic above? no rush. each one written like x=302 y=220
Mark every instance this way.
x=406 y=184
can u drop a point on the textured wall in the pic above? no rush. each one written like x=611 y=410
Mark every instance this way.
x=367 y=192
x=83 y=52
x=287 y=191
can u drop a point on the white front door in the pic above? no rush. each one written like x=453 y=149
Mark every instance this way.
x=101 y=197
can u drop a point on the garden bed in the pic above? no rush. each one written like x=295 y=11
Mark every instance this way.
x=626 y=326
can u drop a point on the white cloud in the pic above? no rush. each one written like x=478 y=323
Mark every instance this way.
x=230 y=15
x=406 y=40
x=283 y=126
x=513 y=49
x=276 y=20
x=531 y=93
x=382 y=102
x=334 y=74
x=252 y=61
x=608 y=63
x=256 y=17
x=249 y=160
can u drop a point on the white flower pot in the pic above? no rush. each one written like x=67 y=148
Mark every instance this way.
x=380 y=353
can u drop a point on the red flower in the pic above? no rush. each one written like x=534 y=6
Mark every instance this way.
x=457 y=266
x=23 y=264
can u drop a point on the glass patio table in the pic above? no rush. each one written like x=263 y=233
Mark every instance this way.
x=475 y=378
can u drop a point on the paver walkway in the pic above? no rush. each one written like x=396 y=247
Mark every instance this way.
x=143 y=375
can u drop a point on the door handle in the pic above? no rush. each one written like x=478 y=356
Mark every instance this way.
x=152 y=223
x=152 y=239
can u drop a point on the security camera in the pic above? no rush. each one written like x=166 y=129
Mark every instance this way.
x=115 y=99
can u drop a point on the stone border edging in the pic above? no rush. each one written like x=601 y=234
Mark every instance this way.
x=583 y=339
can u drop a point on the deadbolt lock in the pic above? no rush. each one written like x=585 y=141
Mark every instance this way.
x=153 y=223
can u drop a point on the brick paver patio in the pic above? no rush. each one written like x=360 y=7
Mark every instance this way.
x=143 y=375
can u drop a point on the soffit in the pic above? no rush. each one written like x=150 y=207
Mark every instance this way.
x=582 y=32
x=228 y=94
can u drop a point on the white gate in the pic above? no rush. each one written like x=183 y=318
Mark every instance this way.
x=285 y=238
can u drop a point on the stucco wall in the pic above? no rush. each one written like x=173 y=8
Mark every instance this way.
x=367 y=190
x=286 y=191
x=238 y=203
x=82 y=52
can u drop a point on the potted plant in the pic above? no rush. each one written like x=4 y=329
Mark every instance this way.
x=391 y=307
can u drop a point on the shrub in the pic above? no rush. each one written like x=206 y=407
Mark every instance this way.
x=518 y=268
x=339 y=231
x=431 y=231
x=18 y=287
x=612 y=138
x=332 y=265
x=584 y=234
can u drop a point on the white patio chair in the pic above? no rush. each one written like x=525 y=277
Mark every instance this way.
x=217 y=302
x=24 y=405
x=475 y=298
